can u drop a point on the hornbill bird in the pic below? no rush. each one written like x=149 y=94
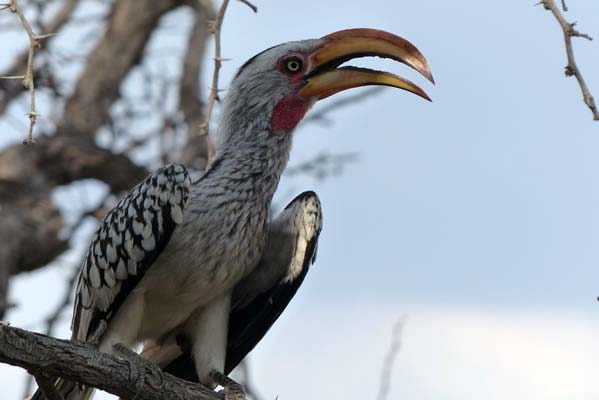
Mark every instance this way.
x=196 y=268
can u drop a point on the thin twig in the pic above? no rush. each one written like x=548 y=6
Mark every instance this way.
x=12 y=91
x=28 y=81
x=572 y=69
x=390 y=359
x=214 y=27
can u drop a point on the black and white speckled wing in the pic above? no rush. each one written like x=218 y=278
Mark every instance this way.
x=128 y=241
x=261 y=297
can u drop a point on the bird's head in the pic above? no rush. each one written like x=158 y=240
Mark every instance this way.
x=275 y=88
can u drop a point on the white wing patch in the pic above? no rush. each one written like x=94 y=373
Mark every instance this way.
x=127 y=243
x=308 y=221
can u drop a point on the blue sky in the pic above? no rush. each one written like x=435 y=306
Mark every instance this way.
x=475 y=216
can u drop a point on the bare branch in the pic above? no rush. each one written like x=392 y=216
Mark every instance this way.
x=390 y=359
x=47 y=357
x=8 y=92
x=28 y=81
x=120 y=48
x=215 y=27
x=199 y=147
x=572 y=69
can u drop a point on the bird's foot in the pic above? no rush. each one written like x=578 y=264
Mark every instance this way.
x=139 y=367
x=95 y=337
x=232 y=389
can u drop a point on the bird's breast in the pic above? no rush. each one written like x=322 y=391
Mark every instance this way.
x=205 y=259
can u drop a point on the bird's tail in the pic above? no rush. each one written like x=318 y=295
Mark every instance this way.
x=69 y=390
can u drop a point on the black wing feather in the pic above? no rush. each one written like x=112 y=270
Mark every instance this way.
x=248 y=325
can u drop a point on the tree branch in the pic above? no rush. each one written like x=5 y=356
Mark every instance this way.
x=47 y=357
x=27 y=79
x=8 y=89
x=199 y=147
x=215 y=27
x=572 y=69
x=127 y=34
x=72 y=153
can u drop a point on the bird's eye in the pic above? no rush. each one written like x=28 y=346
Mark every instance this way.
x=293 y=65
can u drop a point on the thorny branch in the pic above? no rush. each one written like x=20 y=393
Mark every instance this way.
x=215 y=29
x=572 y=69
x=199 y=147
x=28 y=81
x=10 y=91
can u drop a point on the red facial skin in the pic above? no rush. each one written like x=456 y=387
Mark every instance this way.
x=292 y=108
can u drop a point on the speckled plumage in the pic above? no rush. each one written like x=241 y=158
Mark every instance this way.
x=127 y=242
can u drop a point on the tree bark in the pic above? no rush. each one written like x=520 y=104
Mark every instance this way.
x=126 y=377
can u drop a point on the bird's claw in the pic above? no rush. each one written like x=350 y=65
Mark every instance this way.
x=234 y=392
x=231 y=389
x=95 y=337
x=137 y=368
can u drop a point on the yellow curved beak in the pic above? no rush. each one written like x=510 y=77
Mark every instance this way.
x=323 y=78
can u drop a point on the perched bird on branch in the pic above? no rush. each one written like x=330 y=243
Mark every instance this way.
x=194 y=269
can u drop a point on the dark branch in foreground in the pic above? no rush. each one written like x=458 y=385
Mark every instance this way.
x=572 y=69
x=48 y=358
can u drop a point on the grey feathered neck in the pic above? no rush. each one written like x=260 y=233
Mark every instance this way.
x=249 y=159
